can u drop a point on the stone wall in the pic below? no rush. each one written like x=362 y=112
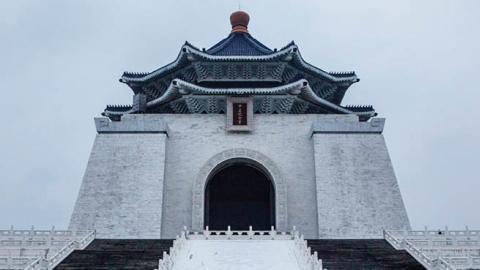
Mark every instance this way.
x=357 y=192
x=122 y=191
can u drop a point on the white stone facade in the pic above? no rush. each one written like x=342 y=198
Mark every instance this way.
x=122 y=189
x=357 y=192
x=332 y=174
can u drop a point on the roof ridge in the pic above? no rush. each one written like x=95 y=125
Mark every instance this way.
x=257 y=43
x=239 y=44
x=221 y=44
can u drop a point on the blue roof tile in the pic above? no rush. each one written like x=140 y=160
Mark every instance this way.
x=239 y=44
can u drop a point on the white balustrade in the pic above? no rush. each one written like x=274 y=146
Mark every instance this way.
x=39 y=249
x=306 y=260
x=440 y=249
x=207 y=234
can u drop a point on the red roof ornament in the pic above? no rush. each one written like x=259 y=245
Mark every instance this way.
x=239 y=21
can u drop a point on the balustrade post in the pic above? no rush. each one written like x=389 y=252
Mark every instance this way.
x=185 y=230
x=206 y=233
x=273 y=233
x=52 y=235
x=229 y=232
x=44 y=264
x=250 y=232
x=160 y=264
x=429 y=240
x=9 y=262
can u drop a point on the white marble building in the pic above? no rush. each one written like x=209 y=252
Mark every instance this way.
x=239 y=135
x=230 y=157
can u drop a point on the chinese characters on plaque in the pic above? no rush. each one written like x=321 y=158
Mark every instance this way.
x=239 y=114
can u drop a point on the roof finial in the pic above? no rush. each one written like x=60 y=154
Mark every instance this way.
x=239 y=21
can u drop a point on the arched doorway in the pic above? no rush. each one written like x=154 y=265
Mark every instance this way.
x=239 y=194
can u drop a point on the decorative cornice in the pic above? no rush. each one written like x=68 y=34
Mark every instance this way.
x=300 y=89
x=135 y=123
x=373 y=126
x=289 y=53
x=178 y=88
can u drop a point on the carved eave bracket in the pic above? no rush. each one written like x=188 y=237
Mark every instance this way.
x=286 y=96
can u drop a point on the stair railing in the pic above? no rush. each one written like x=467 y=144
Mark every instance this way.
x=13 y=233
x=305 y=258
x=426 y=238
x=48 y=264
x=208 y=234
x=427 y=262
x=168 y=260
x=15 y=262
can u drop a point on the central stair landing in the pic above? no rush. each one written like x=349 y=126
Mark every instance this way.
x=237 y=255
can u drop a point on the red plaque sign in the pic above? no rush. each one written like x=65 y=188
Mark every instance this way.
x=239 y=114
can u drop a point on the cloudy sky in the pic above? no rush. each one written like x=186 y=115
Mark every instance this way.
x=419 y=62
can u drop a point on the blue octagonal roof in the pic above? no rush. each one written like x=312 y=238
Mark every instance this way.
x=239 y=44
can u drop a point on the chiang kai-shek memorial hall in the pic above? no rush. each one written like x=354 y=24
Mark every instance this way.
x=240 y=156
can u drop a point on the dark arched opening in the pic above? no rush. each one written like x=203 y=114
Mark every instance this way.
x=239 y=194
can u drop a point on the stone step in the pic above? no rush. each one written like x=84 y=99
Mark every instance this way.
x=359 y=254
x=336 y=254
x=103 y=254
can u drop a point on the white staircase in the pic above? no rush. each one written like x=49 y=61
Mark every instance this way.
x=238 y=250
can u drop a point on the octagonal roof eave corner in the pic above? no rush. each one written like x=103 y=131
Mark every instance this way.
x=190 y=53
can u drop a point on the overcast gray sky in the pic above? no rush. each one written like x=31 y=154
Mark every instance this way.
x=419 y=64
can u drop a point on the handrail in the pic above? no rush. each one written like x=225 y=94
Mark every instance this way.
x=427 y=262
x=303 y=254
x=47 y=264
x=168 y=259
x=451 y=248
x=65 y=251
x=437 y=233
x=40 y=233
x=37 y=264
x=238 y=235
x=307 y=260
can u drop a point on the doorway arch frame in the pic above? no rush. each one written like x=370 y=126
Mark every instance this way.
x=218 y=161
x=235 y=162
